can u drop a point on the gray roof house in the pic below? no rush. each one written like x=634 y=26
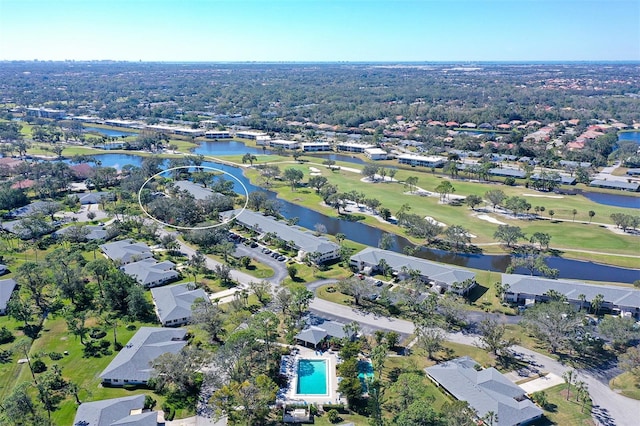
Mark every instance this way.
x=199 y=192
x=316 y=334
x=561 y=179
x=150 y=273
x=132 y=365
x=173 y=303
x=94 y=197
x=6 y=290
x=440 y=274
x=128 y=410
x=507 y=172
x=619 y=300
x=126 y=251
x=303 y=239
x=616 y=184
x=485 y=390
x=95 y=232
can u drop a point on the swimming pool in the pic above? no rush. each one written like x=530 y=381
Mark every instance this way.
x=312 y=377
x=365 y=371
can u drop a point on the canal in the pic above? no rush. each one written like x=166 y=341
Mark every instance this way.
x=368 y=235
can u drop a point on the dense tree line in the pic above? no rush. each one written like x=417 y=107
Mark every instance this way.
x=343 y=95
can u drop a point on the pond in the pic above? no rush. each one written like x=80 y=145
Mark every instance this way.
x=629 y=136
x=109 y=132
x=616 y=200
x=225 y=148
x=370 y=236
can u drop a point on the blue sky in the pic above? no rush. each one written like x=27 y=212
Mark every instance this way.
x=320 y=30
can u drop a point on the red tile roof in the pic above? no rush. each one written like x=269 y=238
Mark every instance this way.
x=23 y=184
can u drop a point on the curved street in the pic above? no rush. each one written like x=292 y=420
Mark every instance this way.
x=609 y=408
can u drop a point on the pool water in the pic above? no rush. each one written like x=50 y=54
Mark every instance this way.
x=365 y=370
x=312 y=377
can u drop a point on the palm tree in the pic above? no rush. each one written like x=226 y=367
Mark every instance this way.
x=491 y=418
x=591 y=215
x=596 y=303
x=568 y=377
x=582 y=298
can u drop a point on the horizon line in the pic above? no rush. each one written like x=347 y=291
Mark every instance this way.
x=458 y=61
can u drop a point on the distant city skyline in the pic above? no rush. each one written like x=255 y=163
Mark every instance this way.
x=321 y=30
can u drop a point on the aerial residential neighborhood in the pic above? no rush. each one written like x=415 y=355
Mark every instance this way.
x=322 y=267
x=353 y=225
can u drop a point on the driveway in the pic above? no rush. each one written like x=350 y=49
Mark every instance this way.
x=542 y=383
x=81 y=215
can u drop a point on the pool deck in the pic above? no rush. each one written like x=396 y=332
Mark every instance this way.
x=289 y=394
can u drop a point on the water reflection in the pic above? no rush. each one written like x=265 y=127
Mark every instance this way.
x=370 y=236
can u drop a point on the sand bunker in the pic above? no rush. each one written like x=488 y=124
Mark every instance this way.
x=490 y=219
x=435 y=222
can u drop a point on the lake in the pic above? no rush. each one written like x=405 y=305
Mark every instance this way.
x=616 y=200
x=629 y=136
x=370 y=236
x=109 y=132
x=225 y=148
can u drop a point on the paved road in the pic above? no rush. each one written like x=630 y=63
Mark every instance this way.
x=609 y=409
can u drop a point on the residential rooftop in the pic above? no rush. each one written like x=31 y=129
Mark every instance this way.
x=133 y=362
x=485 y=390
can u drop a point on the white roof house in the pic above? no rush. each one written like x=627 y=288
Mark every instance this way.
x=217 y=134
x=250 y=134
x=132 y=365
x=281 y=143
x=353 y=146
x=376 y=153
x=421 y=160
x=316 y=146
x=173 y=303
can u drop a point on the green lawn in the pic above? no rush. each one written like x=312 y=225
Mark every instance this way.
x=82 y=371
x=562 y=412
x=333 y=296
x=578 y=235
x=627 y=384
x=356 y=419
